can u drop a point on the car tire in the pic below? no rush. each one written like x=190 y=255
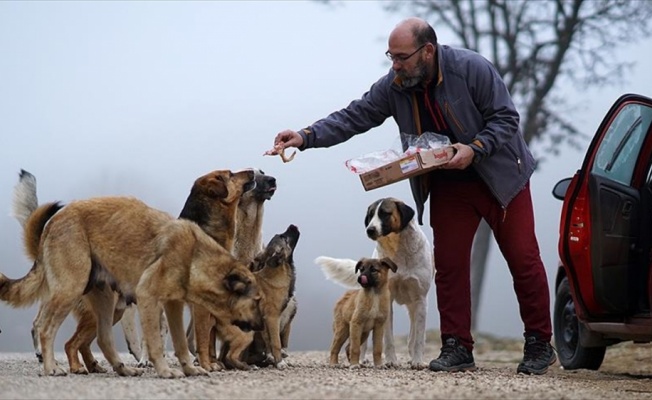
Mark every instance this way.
x=572 y=355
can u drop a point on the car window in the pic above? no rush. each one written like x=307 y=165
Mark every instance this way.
x=619 y=149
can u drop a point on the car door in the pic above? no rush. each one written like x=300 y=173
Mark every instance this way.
x=604 y=215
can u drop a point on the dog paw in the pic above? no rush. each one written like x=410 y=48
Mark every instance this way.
x=123 y=370
x=355 y=366
x=284 y=353
x=190 y=370
x=170 y=373
x=215 y=367
x=144 y=363
x=95 y=368
x=56 y=371
x=281 y=364
x=79 y=371
x=391 y=365
x=417 y=365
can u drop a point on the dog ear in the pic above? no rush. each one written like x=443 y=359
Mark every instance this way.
x=216 y=187
x=389 y=264
x=276 y=259
x=370 y=212
x=358 y=266
x=407 y=213
x=236 y=283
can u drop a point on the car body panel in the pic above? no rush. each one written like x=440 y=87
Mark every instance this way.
x=606 y=221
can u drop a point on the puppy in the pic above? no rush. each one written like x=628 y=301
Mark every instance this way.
x=360 y=312
x=161 y=260
x=391 y=224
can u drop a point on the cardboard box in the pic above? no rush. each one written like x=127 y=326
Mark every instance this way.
x=406 y=167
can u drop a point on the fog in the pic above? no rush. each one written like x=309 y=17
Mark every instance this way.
x=141 y=98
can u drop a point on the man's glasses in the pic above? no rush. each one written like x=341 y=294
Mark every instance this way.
x=402 y=58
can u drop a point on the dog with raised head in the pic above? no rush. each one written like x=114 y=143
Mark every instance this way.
x=391 y=224
x=362 y=311
x=160 y=260
x=276 y=275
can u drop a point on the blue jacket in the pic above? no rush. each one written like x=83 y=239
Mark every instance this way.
x=476 y=105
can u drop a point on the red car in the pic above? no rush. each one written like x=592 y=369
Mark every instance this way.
x=604 y=281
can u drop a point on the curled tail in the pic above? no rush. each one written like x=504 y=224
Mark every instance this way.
x=28 y=289
x=339 y=270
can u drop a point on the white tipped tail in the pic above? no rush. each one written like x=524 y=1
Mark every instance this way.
x=339 y=270
x=25 y=200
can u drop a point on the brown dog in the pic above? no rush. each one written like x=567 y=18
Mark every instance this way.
x=93 y=248
x=361 y=311
x=276 y=277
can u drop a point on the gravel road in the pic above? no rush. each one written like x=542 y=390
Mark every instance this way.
x=625 y=374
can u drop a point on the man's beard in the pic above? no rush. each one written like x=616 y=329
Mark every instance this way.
x=409 y=81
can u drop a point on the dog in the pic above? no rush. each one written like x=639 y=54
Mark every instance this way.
x=391 y=224
x=208 y=204
x=248 y=240
x=362 y=311
x=160 y=259
x=276 y=276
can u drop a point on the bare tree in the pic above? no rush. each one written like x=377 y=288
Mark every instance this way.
x=539 y=47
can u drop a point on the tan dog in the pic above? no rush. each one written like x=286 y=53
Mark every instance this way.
x=276 y=277
x=362 y=311
x=160 y=259
x=212 y=203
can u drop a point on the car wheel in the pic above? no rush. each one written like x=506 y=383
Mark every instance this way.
x=572 y=355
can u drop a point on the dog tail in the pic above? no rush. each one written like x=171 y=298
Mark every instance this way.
x=25 y=291
x=339 y=270
x=28 y=213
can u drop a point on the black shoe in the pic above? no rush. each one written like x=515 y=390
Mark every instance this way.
x=453 y=358
x=537 y=357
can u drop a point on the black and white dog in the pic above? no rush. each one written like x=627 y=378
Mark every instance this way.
x=391 y=224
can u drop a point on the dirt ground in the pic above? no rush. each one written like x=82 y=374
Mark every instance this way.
x=625 y=374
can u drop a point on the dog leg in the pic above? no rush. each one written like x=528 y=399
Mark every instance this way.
x=274 y=341
x=190 y=336
x=340 y=334
x=103 y=302
x=203 y=324
x=390 y=350
x=377 y=340
x=144 y=361
x=238 y=341
x=174 y=312
x=287 y=316
x=150 y=320
x=417 y=336
x=212 y=344
x=50 y=317
x=35 y=337
x=355 y=339
x=80 y=342
x=130 y=331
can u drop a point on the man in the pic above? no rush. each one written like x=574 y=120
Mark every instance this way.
x=458 y=93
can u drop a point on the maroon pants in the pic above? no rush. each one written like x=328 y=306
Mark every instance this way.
x=456 y=209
